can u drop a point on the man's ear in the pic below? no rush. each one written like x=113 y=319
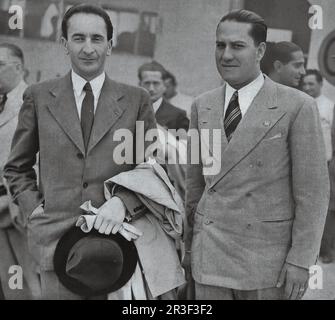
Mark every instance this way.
x=109 y=48
x=261 y=51
x=63 y=42
x=277 y=66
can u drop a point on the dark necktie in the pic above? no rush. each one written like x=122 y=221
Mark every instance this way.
x=3 y=102
x=87 y=113
x=233 y=116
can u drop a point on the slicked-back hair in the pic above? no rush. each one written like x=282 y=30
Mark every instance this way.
x=316 y=73
x=151 y=66
x=88 y=9
x=258 y=29
x=282 y=51
x=14 y=50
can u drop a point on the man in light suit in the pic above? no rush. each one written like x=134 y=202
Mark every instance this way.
x=256 y=226
x=71 y=122
x=13 y=237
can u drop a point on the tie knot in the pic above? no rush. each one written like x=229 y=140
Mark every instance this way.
x=235 y=95
x=87 y=87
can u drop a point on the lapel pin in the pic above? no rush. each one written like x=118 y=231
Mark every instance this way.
x=266 y=123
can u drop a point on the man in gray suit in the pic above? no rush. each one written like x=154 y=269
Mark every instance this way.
x=13 y=237
x=256 y=226
x=71 y=123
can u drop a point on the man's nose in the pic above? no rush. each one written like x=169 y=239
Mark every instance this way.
x=227 y=54
x=302 y=71
x=88 y=48
x=151 y=87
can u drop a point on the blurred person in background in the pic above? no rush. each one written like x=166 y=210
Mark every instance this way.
x=180 y=100
x=286 y=63
x=13 y=237
x=151 y=77
x=312 y=84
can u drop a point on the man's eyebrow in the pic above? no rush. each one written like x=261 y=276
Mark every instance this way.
x=78 y=34
x=233 y=42
x=238 y=42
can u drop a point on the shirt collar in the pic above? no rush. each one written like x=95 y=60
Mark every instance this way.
x=157 y=104
x=15 y=92
x=79 y=82
x=250 y=88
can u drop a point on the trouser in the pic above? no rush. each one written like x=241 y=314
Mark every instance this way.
x=206 y=292
x=14 y=258
x=52 y=289
x=328 y=238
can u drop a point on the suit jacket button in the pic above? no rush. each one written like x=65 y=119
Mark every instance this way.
x=80 y=156
x=211 y=191
x=207 y=221
x=85 y=185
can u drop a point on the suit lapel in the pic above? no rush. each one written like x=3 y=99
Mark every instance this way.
x=211 y=117
x=261 y=116
x=13 y=105
x=63 y=108
x=161 y=114
x=8 y=114
x=107 y=112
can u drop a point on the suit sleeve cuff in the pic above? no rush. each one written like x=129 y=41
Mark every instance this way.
x=135 y=208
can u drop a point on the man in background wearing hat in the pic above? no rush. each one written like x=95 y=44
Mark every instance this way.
x=71 y=121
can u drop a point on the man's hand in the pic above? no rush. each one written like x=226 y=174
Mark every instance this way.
x=186 y=264
x=295 y=279
x=110 y=216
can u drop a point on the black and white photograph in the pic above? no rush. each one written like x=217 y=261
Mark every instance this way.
x=173 y=152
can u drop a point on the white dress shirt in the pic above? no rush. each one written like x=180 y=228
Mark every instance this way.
x=326 y=110
x=78 y=84
x=245 y=95
x=157 y=104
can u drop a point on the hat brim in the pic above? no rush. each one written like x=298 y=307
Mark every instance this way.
x=72 y=236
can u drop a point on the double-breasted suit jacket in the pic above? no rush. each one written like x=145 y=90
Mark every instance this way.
x=68 y=176
x=268 y=202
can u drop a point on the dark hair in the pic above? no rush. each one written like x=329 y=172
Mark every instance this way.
x=169 y=76
x=88 y=9
x=258 y=26
x=151 y=66
x=316 y=73
x=282 y=51
x=14 y=50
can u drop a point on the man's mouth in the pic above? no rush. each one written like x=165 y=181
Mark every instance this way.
x=87 y=60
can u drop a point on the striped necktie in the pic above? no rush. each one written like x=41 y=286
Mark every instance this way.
x=3 y=102
x=233 y=116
